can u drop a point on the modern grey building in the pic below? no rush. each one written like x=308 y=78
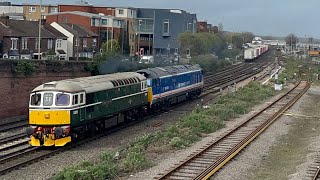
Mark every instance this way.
x=157 y=30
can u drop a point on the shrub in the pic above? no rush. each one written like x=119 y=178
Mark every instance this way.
x=135 y=160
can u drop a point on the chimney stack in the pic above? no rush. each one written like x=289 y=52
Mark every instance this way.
x=43 y=22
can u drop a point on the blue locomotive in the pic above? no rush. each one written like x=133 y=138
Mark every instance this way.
x=173 y=84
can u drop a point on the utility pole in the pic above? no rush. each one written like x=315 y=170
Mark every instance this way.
x=112 y=34
x=139 y=38
x=108 y=35
x=39 y=43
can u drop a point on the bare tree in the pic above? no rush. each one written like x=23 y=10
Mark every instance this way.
x=291 y=39
x=247 y=37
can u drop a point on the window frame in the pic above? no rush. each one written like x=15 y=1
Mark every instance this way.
x=14 y=43
x=121 y=10
x=84 y=42
x=32 y=9
x=51 y=101
x=59 y=43
x=94 y=42
x=76 y=42
x=55 y=100
x=166 y=22
x=104 y=22
x=36 y=44
x=55 y=9
x=50 y=43
x=24 y=43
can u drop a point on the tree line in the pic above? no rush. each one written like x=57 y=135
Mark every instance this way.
x=213 y=43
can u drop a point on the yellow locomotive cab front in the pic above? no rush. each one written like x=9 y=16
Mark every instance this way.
x=49 y=127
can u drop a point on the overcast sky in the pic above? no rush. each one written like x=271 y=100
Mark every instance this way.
x=263 y=17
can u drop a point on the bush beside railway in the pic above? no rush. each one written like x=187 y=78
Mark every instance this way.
x=177 y=136
x=296 y=69
x=210 y=64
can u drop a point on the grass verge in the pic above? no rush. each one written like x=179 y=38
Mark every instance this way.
x=177 y=136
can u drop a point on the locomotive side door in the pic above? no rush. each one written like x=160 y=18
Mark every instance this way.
x=82 y=109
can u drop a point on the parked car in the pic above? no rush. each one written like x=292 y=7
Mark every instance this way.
x=146 y=60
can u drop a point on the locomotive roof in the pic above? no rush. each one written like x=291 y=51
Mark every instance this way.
x=88 y=84
x=169 y=70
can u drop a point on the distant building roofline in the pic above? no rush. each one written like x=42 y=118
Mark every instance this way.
x=92 y=15
x=27 y=4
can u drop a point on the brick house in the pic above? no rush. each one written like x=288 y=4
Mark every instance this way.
x=107 y=27
x=32 y=11
x=20 y=40
x=82 y=43
x=128 y=14
x=202 y=26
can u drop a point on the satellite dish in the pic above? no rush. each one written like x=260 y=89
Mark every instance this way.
x=5 y=56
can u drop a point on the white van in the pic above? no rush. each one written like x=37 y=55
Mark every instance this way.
x=146 y=60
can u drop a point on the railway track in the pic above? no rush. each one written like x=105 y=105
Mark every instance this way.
x=209 y=159
x=313 y=172
x=22 y=155
x=13 y=124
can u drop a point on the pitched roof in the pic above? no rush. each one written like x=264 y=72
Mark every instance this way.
x=21 y=28
x=78 y=30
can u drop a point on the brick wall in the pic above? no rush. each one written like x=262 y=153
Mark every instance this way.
x=15 y=88
x=69 y=18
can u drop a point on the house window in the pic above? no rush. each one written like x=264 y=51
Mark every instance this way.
x=94 y=42
x=121 y=11
x=166 y=26
x=14 y=43
x=50 y=43
x=36 y=43
x=32 y=9
x=93 y=22
x=59 y=43
x=54 y=10
x=43 y=9
x=24 y=43
x=104 y=21
x=77 y=42
x=131 y=13
x=84 y=42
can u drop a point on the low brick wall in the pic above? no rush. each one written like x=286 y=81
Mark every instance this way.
x=16 y=83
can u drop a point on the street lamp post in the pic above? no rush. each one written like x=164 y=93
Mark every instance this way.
x=39 y=43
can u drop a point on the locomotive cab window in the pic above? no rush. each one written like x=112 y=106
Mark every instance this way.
x=62 y=99
x=47 y=99
x=35 y=99
x=81 y=98
x=75 y=99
